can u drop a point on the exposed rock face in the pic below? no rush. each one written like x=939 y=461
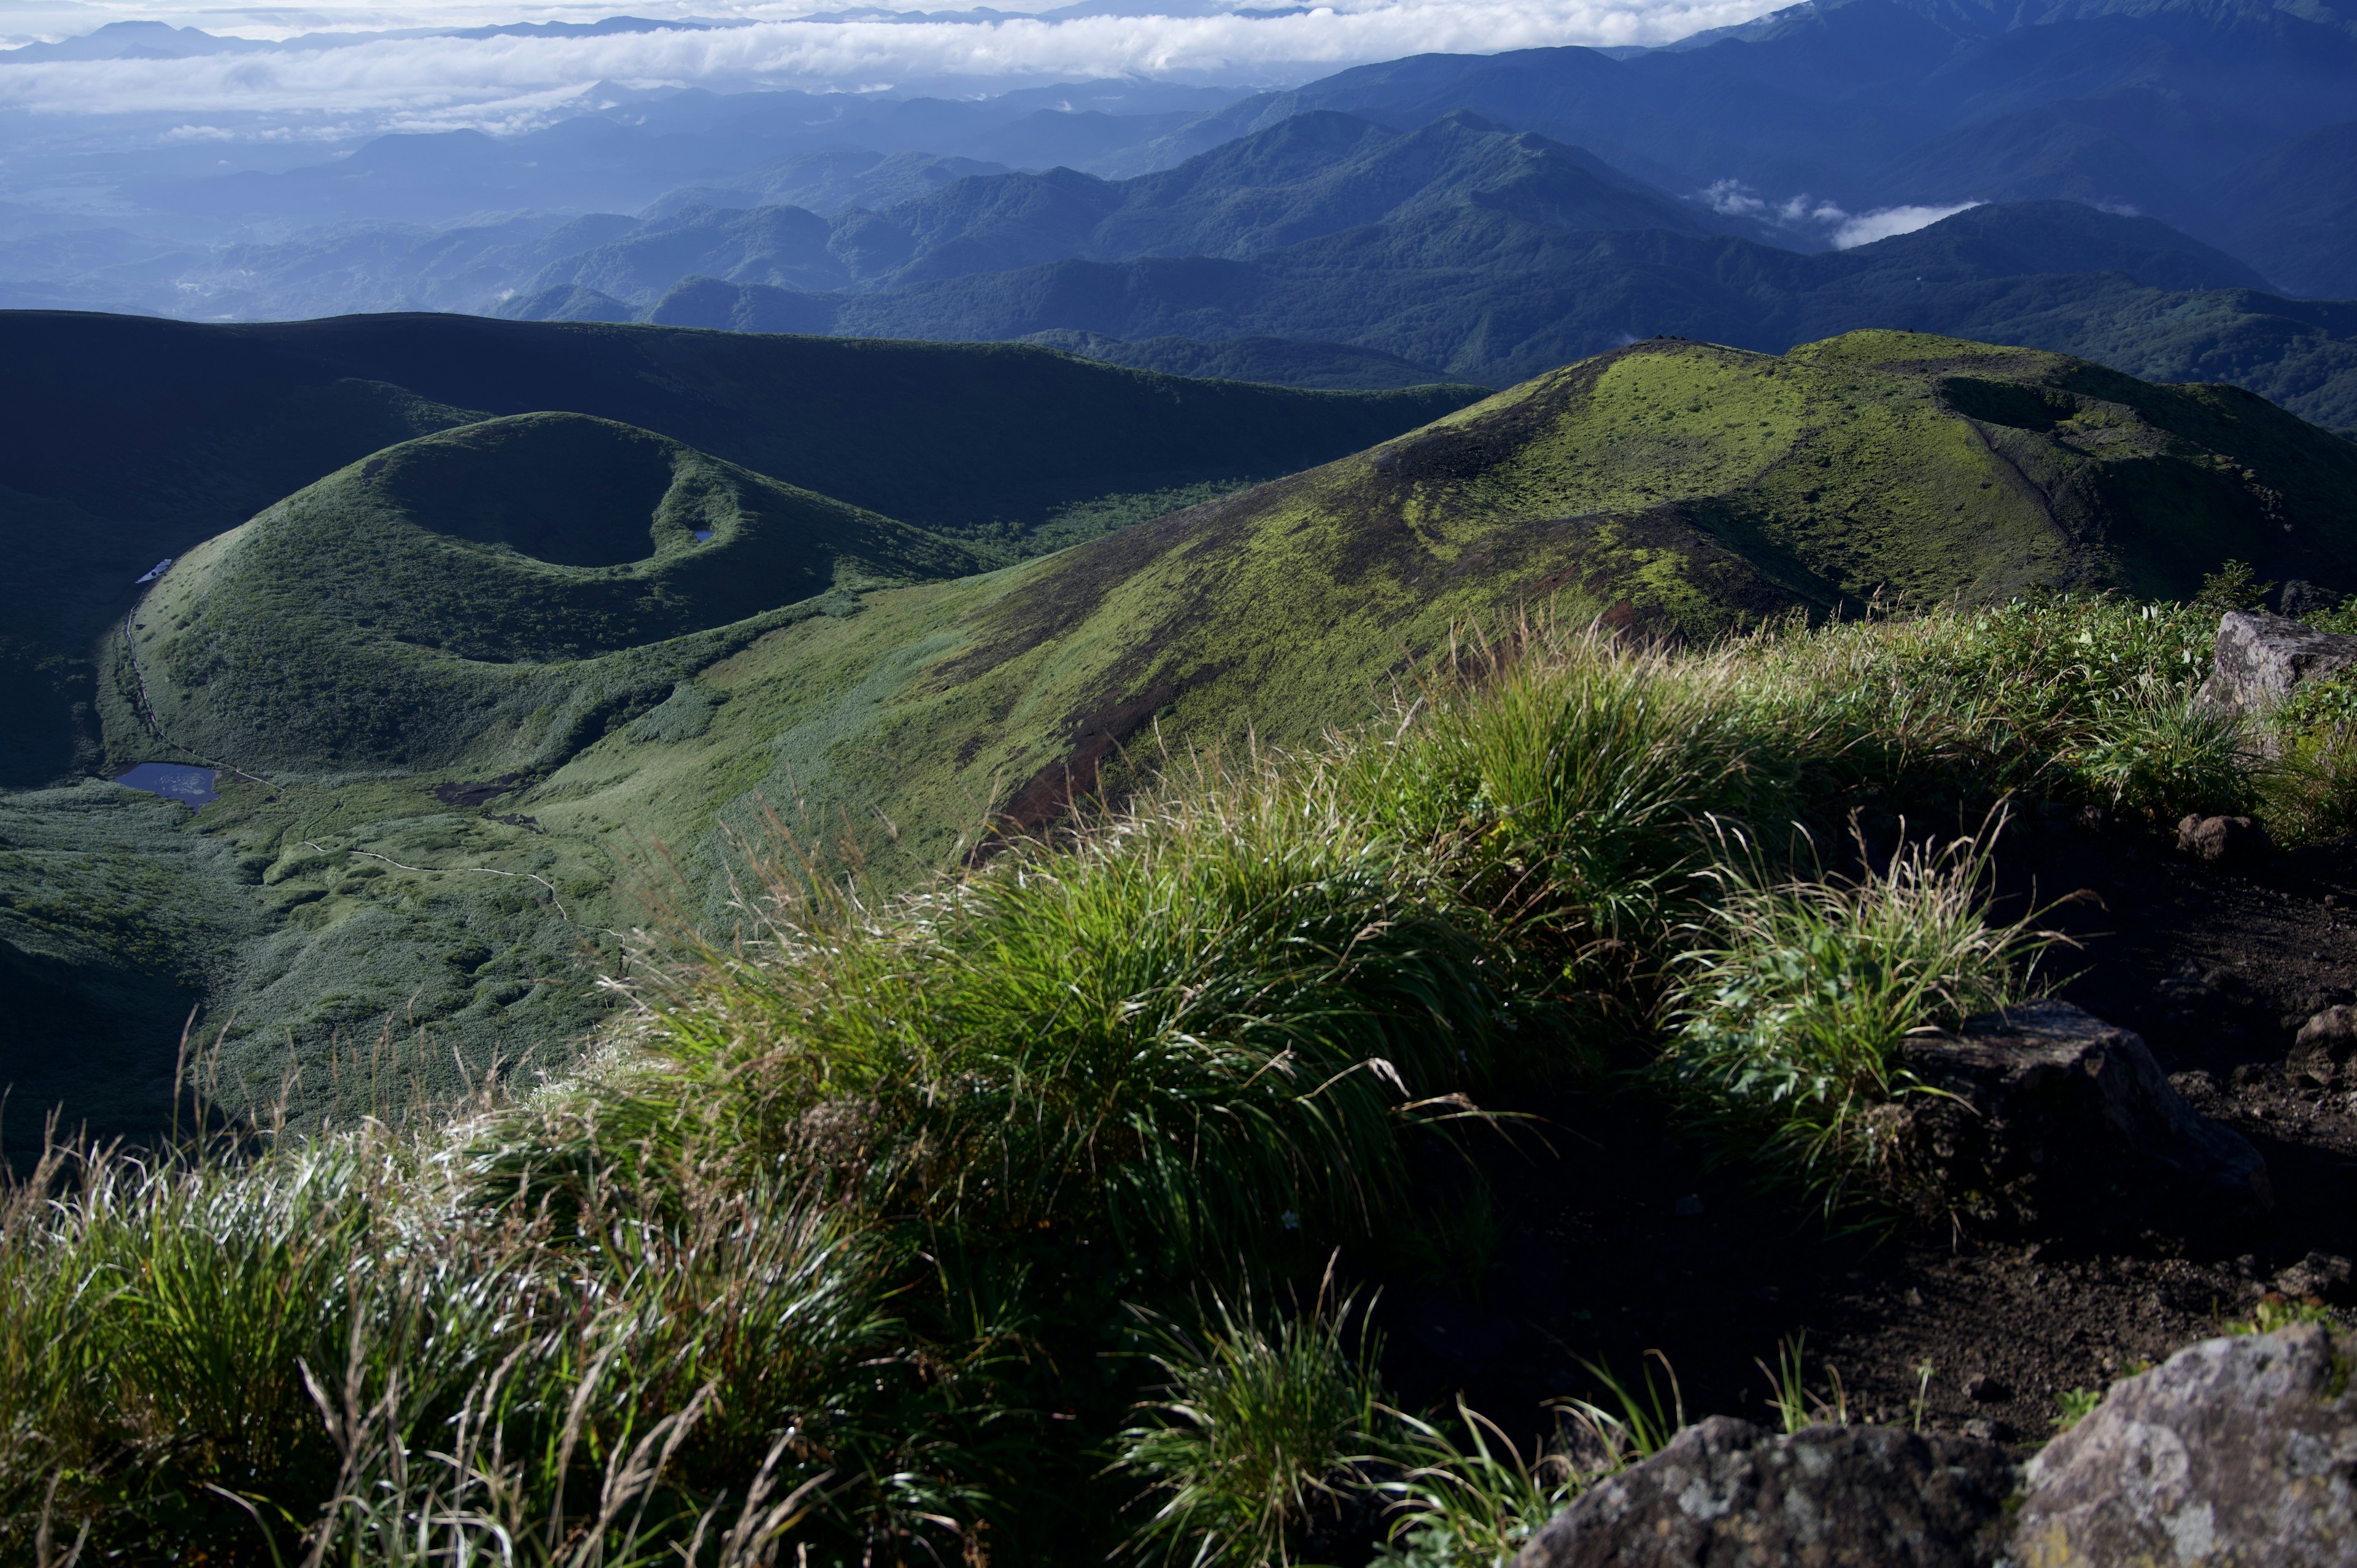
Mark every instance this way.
x=2236 y=1453
x=2228 y=839
x=2260 y=658
x=1727 y=1494
x=2047 y=1106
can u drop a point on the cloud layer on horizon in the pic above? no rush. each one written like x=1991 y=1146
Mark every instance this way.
x=497 y=82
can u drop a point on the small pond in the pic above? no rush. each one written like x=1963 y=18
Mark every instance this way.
x=174 y=781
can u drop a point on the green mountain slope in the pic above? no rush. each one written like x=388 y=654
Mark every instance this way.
x=1671 y=484
x=150 y=436
x=468 y=894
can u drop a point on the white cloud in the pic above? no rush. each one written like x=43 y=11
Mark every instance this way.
x=1886 y=222
x=493 y=82
x=1831 y=223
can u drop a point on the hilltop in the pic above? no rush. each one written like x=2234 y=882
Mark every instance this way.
x=482 y=594
x=1682 y=487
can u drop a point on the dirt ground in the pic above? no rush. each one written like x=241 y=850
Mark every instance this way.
x=1615 y=1239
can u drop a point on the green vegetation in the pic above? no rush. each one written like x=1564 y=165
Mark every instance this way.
x=376 y=636
x=481 y=763
x=488 y=597
x=1787 y=1023
x=828 y=1248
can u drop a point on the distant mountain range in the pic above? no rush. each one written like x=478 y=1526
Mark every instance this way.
x=1474 y=252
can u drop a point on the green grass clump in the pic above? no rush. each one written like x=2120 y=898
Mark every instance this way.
x=1788 y=1015
x=1208 y=1015
x=1257 y=1434
x=322 y=1354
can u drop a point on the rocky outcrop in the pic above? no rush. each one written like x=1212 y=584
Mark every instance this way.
x=2259 y=661
x=1731 y=1495
x=2045 y=1109
x=2235 y=1453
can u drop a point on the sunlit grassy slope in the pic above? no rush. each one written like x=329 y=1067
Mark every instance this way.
x=1672 y=486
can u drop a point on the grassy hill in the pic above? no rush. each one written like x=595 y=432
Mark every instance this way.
x=1676 y=485
x=555 y=770
x=1010 y=447
x=483 y=595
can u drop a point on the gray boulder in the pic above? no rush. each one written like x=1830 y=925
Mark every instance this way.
x=2260 y=658
x=1727 y=1494
x=2235 y=1452
x=2326 y=1042
x=2044 y=1107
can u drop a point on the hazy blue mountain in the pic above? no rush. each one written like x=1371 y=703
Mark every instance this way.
x=1481 y=296
x=1880 y=103
x=2296 y=206
x=680 y=139
x=1477 y=292
x=828 y=180
x=1319 y=174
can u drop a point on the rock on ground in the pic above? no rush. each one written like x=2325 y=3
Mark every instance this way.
x=2321 y=1052
x=2260 y=658
x=1727 y=1494
x=2234 y=840
x=2045 y=1109
x=2235 y=1452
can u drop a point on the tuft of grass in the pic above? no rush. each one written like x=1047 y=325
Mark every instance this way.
x=2074 y=1406
x=1471 y=1506
x=1212 y=1013
x=1255 y=1436
x=1787 y=1017
x=1564 y=779
x=325 y=1355
x=1797 y=1406
x=2163 y=751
